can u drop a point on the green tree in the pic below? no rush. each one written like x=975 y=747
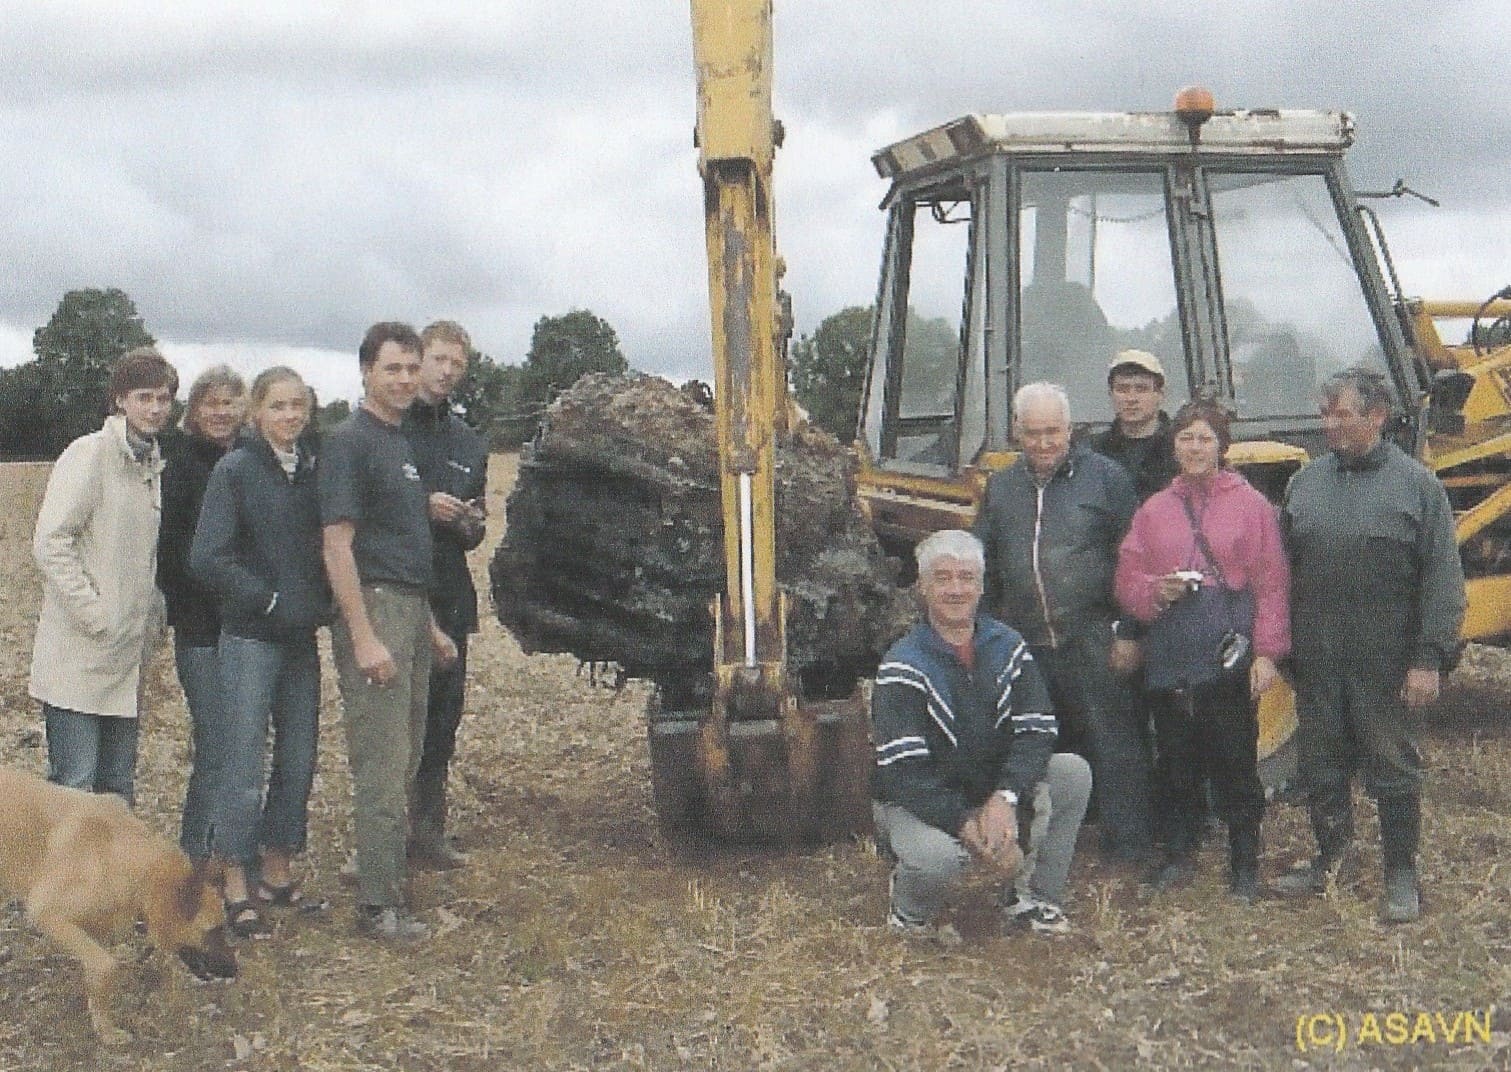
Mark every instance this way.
x=565 y=348
x=829 y=370
x=47 y=403
x=489 y=399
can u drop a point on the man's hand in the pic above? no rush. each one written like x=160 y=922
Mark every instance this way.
x=991 y=835
x=374 y=661
x=442 y=648
x=1126 y=657
x=446 y=509
x=1262 y=674
x=1421 y=688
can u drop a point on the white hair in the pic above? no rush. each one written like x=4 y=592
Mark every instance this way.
x=1034 y=394
x=949 y=543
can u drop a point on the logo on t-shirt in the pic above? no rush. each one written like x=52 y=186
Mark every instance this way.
x=410 y=472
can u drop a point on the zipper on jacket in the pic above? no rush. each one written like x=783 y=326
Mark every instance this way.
x=1054 y=641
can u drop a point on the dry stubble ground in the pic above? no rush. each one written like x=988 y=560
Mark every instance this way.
x=580 y=939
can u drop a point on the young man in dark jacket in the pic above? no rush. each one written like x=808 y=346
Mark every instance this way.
x=1377 y=601
x=1051 y=524
x=453 y=463
x=965 y=736
x=1139 y=438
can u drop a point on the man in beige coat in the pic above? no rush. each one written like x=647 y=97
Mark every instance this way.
x=96 y=545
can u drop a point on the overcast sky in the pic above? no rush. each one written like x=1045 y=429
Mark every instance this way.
x=265 y=180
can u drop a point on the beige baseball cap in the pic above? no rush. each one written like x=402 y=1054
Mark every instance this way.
x=1139 y=359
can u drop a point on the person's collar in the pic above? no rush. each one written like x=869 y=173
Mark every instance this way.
x=1066 y=465
x=432 y=411
x=378 y=418
x=1372 y=458
x=1159 y=424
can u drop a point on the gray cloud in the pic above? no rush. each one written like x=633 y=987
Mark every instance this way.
x=281 y=177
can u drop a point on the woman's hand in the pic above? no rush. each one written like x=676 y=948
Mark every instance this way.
x=1262 y=674
x=1169 y=589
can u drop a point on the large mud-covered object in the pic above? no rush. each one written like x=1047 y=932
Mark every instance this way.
x=614 y=550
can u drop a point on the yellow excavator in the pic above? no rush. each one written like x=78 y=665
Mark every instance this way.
x=1022 y=247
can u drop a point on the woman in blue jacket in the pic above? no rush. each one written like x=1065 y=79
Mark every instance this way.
x=257 y=546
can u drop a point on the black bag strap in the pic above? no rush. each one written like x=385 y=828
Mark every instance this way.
x=1201 y=541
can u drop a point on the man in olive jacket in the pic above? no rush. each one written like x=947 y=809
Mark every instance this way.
x=1377 y=600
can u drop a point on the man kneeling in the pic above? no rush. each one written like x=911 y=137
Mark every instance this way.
x=965 y=737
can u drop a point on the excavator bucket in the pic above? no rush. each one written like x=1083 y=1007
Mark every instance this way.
x=802 y=779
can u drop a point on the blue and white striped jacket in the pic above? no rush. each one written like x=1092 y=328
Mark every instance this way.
x=946 y=738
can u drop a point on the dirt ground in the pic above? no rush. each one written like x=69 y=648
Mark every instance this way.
x=580 y=939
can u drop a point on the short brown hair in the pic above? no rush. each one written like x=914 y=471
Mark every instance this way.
x=387 y=331
x=142 y=367
x=447 y=331
x=1213 y=413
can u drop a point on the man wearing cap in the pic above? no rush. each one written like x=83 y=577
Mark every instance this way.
x=1139 y=439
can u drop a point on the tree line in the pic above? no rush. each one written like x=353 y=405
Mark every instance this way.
x=58 y=396
x=48 y=402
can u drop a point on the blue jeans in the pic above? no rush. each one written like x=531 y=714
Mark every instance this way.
x=199 y=675
x=96 y=753
x=265 y=682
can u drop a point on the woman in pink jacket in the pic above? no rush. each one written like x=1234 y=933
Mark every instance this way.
x=1203 y=567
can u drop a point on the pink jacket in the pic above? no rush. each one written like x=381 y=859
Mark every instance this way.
x=1241 y=527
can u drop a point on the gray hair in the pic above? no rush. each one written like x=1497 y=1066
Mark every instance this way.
x=1369 y=384
x=213 y=378
x=1033 y=394
x=949 y=543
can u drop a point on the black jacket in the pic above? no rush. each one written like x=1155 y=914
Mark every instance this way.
x=946 y=738
x=1051 y=551
x=452 y=458
x=1150 y=461
x=259 y=536
x=193 y=610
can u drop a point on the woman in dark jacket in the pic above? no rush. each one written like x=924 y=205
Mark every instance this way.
x=258 y=548
x=212 y=418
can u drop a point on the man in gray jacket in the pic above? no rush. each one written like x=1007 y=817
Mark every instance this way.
x=1051 y=524
x=1377 y=600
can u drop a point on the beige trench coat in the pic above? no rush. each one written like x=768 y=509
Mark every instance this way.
x=96 y=545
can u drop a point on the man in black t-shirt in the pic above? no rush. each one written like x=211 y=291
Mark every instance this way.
x=378 y=558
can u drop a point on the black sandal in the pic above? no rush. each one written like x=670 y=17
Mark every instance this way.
x=244 y=921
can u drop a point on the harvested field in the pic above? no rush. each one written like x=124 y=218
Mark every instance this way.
x=579 y=939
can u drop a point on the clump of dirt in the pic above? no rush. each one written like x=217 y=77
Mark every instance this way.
x=614 y=550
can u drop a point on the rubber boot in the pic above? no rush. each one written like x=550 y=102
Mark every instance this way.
x=1243 y=859
x=428 y=845
x=1332 y=814
x=1400 y=833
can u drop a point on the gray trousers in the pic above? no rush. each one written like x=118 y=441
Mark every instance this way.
x=385 y=730
x=929 y=861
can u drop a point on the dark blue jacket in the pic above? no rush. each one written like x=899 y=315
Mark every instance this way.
x=452 y=458
x=259 y=536
x=947 y=738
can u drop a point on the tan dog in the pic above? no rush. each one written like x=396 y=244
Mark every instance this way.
x=86 y=867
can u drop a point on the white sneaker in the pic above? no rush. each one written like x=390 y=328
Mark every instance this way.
x=1039 y=916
